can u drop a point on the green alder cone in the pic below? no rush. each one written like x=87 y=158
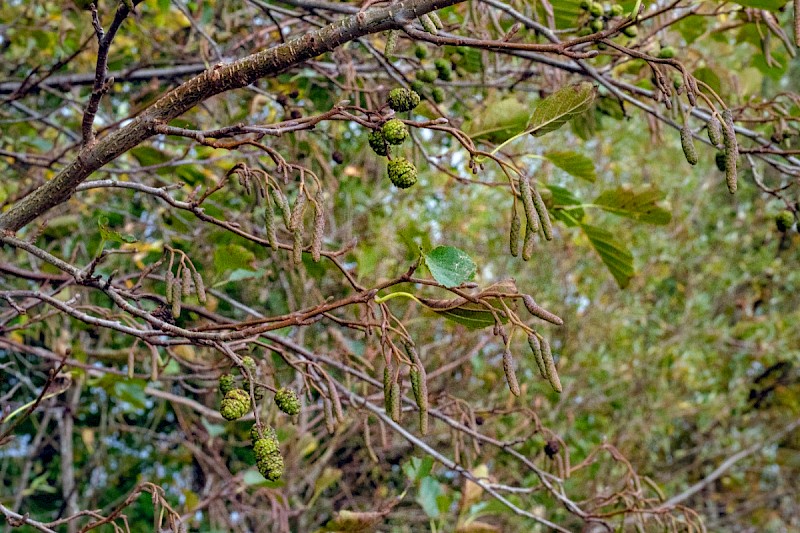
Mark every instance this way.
x=394 y=131
x=784 y=220
x=271 y=466
x=226 y=384
x=427 y=76
x=443 y=69
x=265 y=447
x=596 y=9
x=378 y=143
x=421 y=51
x=402 y=172
x=437 y=93
x=267 y=432
x=667 y=52
x=401 y=99
x=235 y=404
x=287 y=401
x=630 y=31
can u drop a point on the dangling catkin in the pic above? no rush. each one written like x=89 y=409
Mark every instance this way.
x=187 y=282
x=516 y=226
x=731 y=150
x=536 y=348
x=269 y=224
x=550 y=366
x=539 y=311
x=199 y=286
x=296 y=219
x=687 y=143
x=436 y=20
x=544 y=217
x=176 y=297
x=714 y=129
x=297 y=246
x=525 y=193
x=169 y=278
x=282 y=205
x=420 y=388
x=511 y=376
x=528 y=243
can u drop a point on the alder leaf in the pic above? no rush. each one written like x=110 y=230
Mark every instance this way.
x=574 y=164
x=641 y=206
x=560 y=107
x=613 y=253
x=450 y=266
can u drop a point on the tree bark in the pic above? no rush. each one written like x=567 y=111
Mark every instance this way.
x=218 y=79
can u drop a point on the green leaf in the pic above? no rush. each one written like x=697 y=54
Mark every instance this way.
x=415 y=468
x=471 y=315
x=108 y=234
x=232 y=257
x=561 y=106
x=499 y=121
x=574 y=164
x=642 y=206
x=429 y=491
x=613 y=253
x=563 y=198
x=450 y=266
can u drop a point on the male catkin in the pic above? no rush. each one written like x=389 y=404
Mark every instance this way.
x=687 y=143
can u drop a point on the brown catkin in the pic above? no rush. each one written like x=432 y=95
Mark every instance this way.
x=550 y=366
x=169 y=278
x=396 y=411
x=687 y=143
x=528 y=243
x=187 y=282
x=296 y=218
x=516 y=226
x=428 y=24
x=714 y=130
x=199 y=286
x=282 y=205
x=297 y=246
x=269 y=224
x=539 y=311
x=337 y=401
x=387 y=388
x=525 y=193
x=731 y=150
x=330 y=421
x=319 y=228
x=544 y=217
x=536 y=348
x=511 y=376
x=391 y=44
x=419 y=386
x=176 y=298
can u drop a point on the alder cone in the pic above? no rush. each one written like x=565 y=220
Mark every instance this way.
x=402 y=172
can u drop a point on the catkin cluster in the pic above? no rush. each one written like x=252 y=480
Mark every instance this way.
x=599 y=16
x=536 y=217
x=182 y=283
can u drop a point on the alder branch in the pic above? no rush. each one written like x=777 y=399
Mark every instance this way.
x=218 y=79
